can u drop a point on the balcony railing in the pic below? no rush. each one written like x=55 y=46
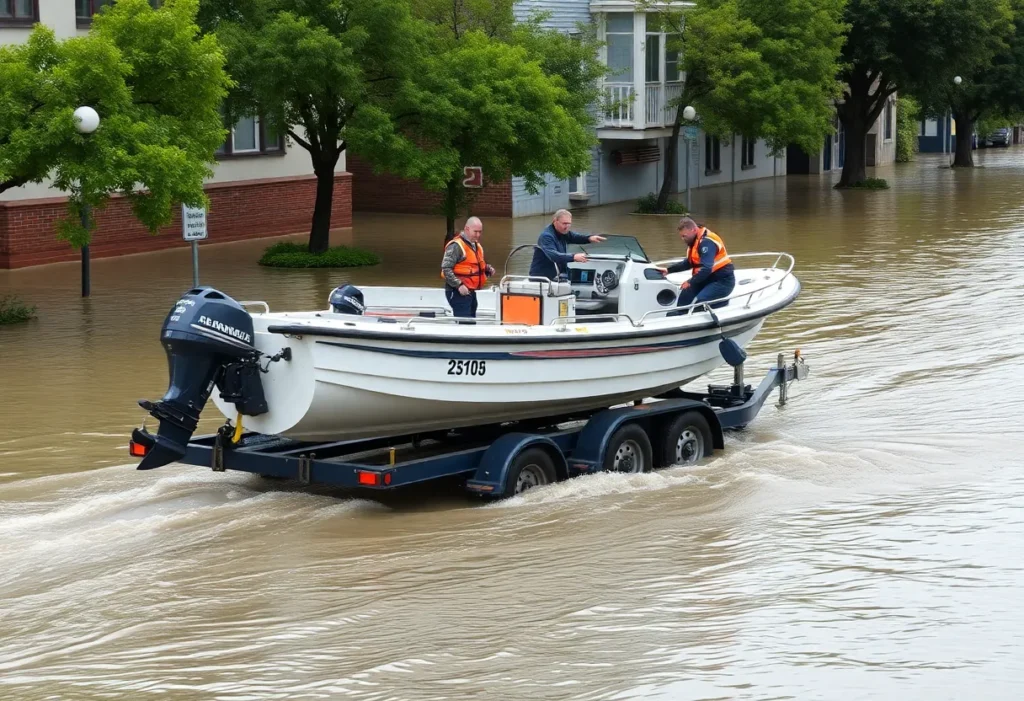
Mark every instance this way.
x=620 y=101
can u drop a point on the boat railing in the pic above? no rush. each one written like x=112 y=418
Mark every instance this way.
x=251 y=303
x=505 y=275
x=749 y=294
x=478 y=321
x=577 y=318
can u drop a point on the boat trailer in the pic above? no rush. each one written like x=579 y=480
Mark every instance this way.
x=499 y=461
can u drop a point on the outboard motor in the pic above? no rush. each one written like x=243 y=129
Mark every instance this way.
x=208 y=337
x=347 y=299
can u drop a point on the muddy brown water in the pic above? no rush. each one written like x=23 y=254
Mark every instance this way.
x=865 y=541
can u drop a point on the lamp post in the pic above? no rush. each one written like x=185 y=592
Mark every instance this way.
x=689 y=114
x=952 y=142
x=87 y=120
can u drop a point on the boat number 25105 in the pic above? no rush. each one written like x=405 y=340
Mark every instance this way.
x=467 y=367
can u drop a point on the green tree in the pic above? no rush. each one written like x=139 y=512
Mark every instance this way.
x=914 y=46
x=992 y=84
x=156 y=84
x=763 y=70
x=510 y=97
x=332 y=74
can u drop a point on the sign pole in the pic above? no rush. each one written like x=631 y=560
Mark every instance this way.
x=195 y=264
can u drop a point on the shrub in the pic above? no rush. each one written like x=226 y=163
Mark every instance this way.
x=297 y=255
x=648 y=204
x=871 y=184
x=13 y=311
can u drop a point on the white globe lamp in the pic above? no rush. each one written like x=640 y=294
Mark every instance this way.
x=957 y=80
x=87 y=120
x=689 y=114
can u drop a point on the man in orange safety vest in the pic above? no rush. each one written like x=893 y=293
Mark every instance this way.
x=464 y=269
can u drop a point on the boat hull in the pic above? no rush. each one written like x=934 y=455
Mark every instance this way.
x=337 y=388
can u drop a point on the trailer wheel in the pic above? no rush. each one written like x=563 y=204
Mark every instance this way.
x=687 y=440
x=629 y=450
x=531 y=468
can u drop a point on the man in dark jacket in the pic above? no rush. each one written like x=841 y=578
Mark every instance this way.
x=553 y=241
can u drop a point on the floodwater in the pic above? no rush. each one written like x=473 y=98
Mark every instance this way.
x=865 y=541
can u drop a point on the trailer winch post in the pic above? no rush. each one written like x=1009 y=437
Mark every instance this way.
x=783 y=385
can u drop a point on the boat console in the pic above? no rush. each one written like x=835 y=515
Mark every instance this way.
x=617 y=278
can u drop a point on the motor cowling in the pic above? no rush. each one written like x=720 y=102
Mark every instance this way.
x=347 y=299
x=209 y=341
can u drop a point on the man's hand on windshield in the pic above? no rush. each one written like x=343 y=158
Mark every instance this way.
x=597 y=239
x=580 y=257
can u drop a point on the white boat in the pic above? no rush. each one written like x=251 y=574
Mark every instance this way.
x=403 y=364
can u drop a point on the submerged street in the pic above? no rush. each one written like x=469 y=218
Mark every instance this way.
x=862 y=542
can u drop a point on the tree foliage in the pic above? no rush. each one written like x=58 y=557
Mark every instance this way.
x=333 y=74
x=992 y=79
x=764 y=70
x=156 y=84
x=908 y=126
x=510 y=97
x=915 y=46
x=760 y=69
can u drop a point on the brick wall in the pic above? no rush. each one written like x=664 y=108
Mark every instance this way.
x=390 y=193
x=238 y=210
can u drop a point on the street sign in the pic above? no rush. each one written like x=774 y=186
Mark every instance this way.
x=193 y=223
x=473 y=176
x=690 y=133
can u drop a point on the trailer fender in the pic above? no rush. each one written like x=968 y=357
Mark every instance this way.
x=653 y=417
x=493 y=471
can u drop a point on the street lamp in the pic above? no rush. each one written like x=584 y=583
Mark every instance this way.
x=952 y=142
x=689 y=114
x=87 y=120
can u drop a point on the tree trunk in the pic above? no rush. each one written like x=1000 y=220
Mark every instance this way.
x=964 y=140
x=320 y=233
x=855 y=157
x=450 y=205
x=668 y=183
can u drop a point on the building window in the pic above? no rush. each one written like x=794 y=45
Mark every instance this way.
x=251 y=137
x=18 y=12
x=672 y=69
x=931 y=127
x=888 y=120
x=712 y=155
x=748 y=153
x=85 y=9
x=578 y=184
x=619 y=38
x=652 y=58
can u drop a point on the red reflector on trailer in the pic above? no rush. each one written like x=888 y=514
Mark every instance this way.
x=369 y=478
x=387 y=478
x=136 y=450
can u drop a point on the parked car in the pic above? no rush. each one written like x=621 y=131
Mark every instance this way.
x=1003 y=136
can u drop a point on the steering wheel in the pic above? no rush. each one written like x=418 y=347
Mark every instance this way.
x=606 y=282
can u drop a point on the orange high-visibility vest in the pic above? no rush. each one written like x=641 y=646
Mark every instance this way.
x=722 y=258
x=472 y=269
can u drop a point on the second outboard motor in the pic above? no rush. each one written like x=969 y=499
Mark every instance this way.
x=347 y=299
x=208 y=338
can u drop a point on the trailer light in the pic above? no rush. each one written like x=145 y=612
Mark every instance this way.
x=137 y=450
x=387 y=478
x=371 y=479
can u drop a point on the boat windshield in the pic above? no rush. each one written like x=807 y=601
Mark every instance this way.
x=614 y=246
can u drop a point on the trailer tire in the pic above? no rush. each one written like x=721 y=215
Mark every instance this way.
x=687 y=440
x=531 y=468
x=629 y=451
